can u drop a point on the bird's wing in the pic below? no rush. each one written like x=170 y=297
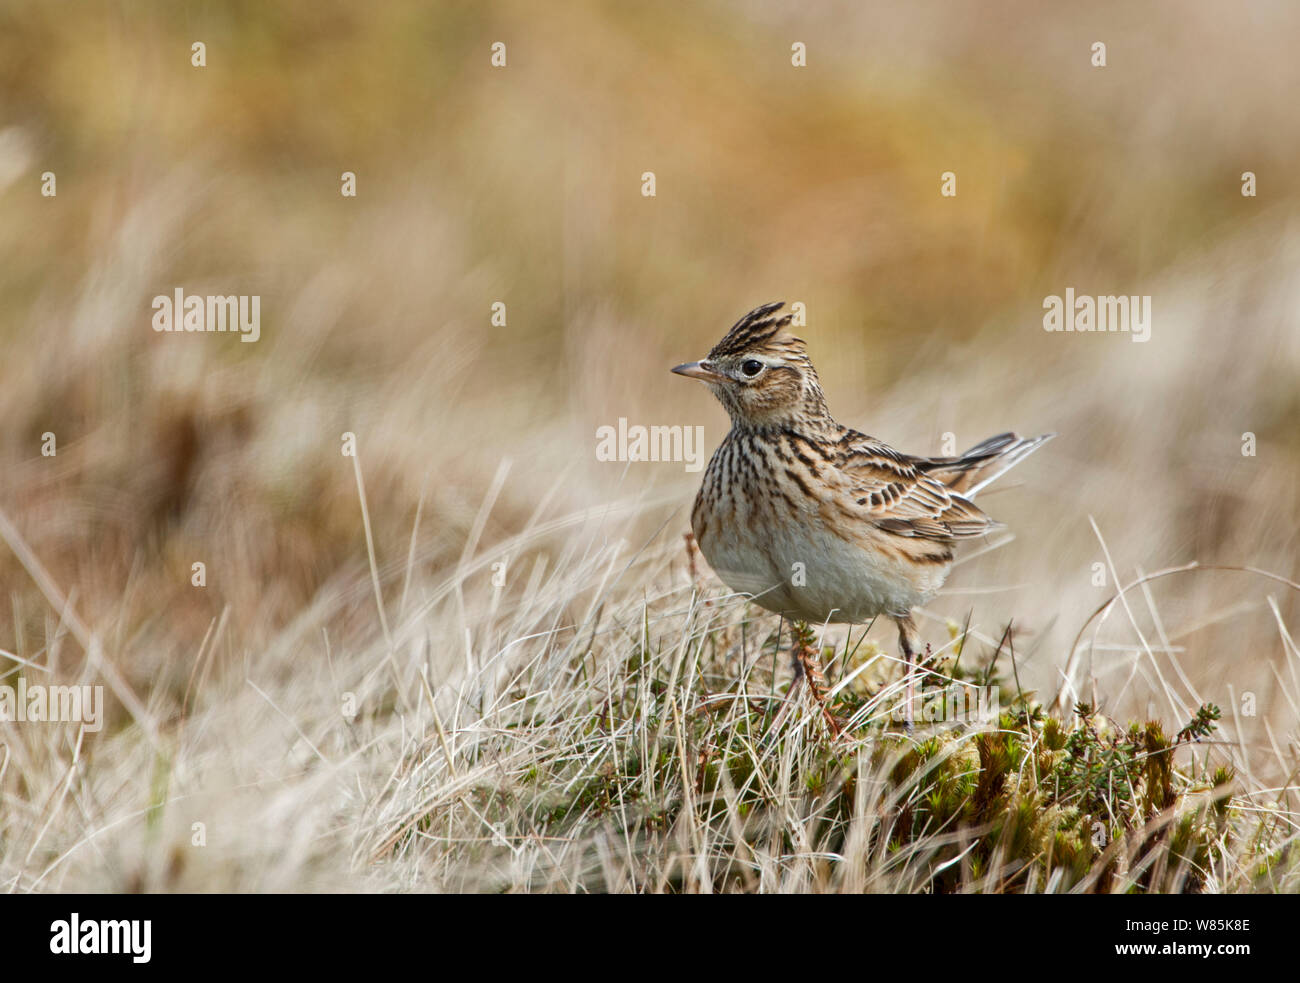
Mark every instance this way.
x=889 y=490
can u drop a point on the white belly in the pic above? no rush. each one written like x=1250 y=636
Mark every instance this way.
x=799 y=569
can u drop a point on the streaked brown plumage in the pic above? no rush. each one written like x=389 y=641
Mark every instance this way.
x=818 y=521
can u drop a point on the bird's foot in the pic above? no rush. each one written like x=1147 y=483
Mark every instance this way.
x=807 y=667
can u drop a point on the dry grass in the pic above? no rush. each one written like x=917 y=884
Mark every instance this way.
x=605 y=726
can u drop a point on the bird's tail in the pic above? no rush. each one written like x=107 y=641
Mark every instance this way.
x=983 y=464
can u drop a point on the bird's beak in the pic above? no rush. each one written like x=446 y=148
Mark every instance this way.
x=699 y=370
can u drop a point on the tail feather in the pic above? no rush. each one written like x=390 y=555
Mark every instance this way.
x=983 y=464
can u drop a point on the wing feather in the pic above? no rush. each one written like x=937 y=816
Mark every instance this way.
x=889 y=490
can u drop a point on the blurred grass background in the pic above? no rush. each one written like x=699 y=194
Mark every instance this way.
x=522 y=185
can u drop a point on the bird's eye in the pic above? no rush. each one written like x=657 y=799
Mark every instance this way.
x=751 y=367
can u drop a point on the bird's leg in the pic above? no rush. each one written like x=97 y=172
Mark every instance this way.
x=909 y=640
x=807 y=666
x=691 y=550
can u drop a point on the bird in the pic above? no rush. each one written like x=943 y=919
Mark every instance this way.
x=818 y=522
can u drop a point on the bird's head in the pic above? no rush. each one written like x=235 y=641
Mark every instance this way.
x=761 y=373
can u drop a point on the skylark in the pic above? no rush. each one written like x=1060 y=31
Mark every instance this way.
x=817 y=521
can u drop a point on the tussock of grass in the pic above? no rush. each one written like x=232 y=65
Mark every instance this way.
x=657 y=751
